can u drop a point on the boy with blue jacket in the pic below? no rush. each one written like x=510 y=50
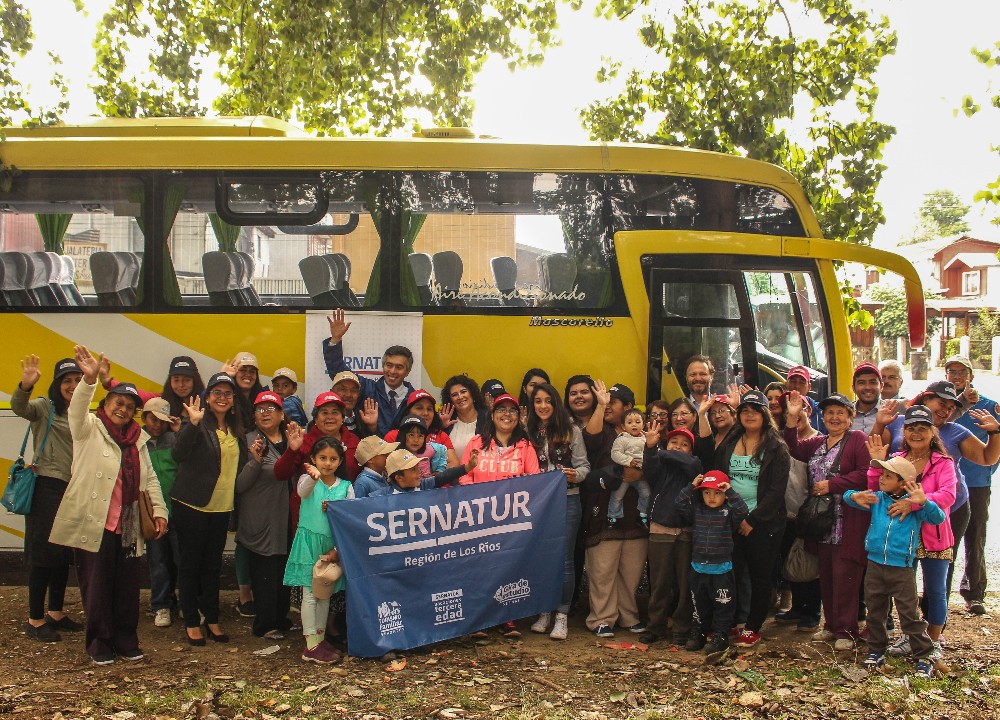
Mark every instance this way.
x=891 y=544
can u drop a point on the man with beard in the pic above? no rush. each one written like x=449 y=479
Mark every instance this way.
x=867 y=387
x=699 y=373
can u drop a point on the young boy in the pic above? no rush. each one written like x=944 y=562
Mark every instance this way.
x=891 y=544
x=371 y=455
x=162 y=555
x=404 y=473
x=284 y=382
x=714 y=517
x=627 y=451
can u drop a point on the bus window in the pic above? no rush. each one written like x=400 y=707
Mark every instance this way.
x=70 y=242
x=812 y=318
x=778 y=329
x=325 y=265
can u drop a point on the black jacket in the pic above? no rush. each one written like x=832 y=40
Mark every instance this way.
x=198 y=457
x=769 y=515
x=712 y=540
x=667 y=471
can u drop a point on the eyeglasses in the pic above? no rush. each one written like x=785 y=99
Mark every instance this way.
x=221 y=394
x=506 y=410
x=957 y=373
x=659 y=415
x=266 y=410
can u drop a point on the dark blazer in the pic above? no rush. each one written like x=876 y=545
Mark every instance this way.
x=333 y=355
x=769 y=515
x=199 y=461
x=854 y=463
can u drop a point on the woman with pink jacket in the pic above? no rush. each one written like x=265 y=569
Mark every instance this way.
x=505 y=450
x=922 y=446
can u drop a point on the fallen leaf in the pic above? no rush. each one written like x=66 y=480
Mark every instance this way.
x=268 y=650
x=617 y=696
x=450 y=712
x=751 y=699
x=339 y=672
x=741 y=666
x=854 y=673
x=396 y=665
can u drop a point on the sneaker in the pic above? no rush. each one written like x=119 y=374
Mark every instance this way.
x=747 y=638
x=823 y=636
x=43 y=633
x=560 y=628
x=322 y=654
x=787 y=617
x=695 y=642
x=900 y=648
x=162 y=618
x=937 y=653
x=638 y=628
x=925 y=669
x=541 y=625
x=274 y=635
x=604 y=631
x=130 y=655
x=103 y=659
x=716 y=648
x=649 y=637
x=509 y=630
x=807 y=626
x=246 y=609
x=784 y=603
x=65 y=623
x=874 y=660
x=843 y=644
x=976 y=607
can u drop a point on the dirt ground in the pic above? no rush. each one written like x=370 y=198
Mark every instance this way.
x=786 y=676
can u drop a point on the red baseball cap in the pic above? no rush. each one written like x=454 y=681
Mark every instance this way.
x=684 y=432
x=506 y=397
x=417 y=395
x=325 y=398
x=867 y=367
x=268 y=397
x=712 y=479
x=800 y=371
x=724 y=399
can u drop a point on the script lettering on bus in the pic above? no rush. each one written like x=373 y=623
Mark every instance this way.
x=539 y=321
x=484 y=290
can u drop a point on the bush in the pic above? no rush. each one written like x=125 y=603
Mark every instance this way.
x=952 y=347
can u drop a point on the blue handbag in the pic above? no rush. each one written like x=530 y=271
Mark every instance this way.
x=20 y=488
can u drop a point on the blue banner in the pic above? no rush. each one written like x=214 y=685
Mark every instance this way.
x=427 y=566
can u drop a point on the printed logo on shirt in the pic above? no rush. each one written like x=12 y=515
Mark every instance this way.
x=512 y=592
x=447 y=607
x=723 y=597
x=390 y=618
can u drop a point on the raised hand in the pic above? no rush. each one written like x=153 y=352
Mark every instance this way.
x=985 y=420
x=338 y=327
x=194 y=410
x=446 y=414
x=653 y=432
x=104 y=372
x=697 y=481
x=916 y=492
x=473 y=460
x=887 y=412
x=865 y=498
x=229 y=367
x=733 y=394
x=601 y=394
x=723 y=486
x=88 y=363
x=971 y=395
x=294 y=435
x=31 y=372
x=793 y=408
x=311 y=471
x=175 y=424
x=876 y=448
x=368 y=412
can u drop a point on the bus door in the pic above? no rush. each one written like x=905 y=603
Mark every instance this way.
x=754 y=321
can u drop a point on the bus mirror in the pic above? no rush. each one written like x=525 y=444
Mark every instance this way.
x=270 y=200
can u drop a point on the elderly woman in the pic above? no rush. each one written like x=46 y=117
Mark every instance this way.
x=99 y=513
x=837 y=462
x=48 y=564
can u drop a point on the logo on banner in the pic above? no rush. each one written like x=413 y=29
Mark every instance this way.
x=390 y=618
x=447 y=607
x=512 y=592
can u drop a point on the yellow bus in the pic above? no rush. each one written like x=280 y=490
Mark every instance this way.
x=148 y=239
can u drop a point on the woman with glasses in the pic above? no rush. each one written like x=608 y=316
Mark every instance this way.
x=262 y=528
x=658 y=413
x=683 y=414
x=716 y=417
x=559 y=445
x=210 y=452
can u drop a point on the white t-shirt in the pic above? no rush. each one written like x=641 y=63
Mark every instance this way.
x=461 y=434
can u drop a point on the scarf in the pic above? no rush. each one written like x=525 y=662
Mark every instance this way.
x=126 y=436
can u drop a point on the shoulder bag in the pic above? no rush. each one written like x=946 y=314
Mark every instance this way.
x=817 y=515
x=20 y=490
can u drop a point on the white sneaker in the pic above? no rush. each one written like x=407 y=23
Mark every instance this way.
x=542 y=623
x=842 y=644
x=162 y=618
x=560 y=628
x=822 y=636
x=900 y=648
x=937 y=653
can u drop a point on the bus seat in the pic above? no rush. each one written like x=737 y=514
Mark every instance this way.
x=221 y=279
x=51 y=292
x=557 y=275
x=247 y=290
x=448 y=274
x=342 y=275
x=111 y=276
x=37 y=283
x=133 y=269
x=423 y=273
x=320 y=277
x=505 y=278
x=68 y=281
x=13 y=277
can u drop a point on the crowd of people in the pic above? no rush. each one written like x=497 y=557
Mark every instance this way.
x=731 y=500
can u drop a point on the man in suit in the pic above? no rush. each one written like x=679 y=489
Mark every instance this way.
x=390 y=391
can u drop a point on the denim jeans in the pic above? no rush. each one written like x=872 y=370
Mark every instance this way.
x=574 y=511
x=162 y=556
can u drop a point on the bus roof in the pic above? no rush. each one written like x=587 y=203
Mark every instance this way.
x=264 y=143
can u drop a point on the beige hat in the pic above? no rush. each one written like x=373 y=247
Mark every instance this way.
x=246 y=359
x=899 y=465
x=284 y=372
x=960 y=360
x=346 y=375
x=159 y=407
x=325 y=576
x=400 y=460
x=371 y=446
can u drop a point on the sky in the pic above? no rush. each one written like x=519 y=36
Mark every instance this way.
x=921 y=86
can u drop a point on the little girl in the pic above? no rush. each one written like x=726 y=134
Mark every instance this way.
x=319 y=486
x=433 y=456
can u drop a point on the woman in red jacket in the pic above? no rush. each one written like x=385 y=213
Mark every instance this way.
x=505 y=450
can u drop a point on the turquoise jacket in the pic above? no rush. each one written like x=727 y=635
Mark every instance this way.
x=892 y=540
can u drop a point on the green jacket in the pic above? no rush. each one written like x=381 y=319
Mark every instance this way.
x=57 y=458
